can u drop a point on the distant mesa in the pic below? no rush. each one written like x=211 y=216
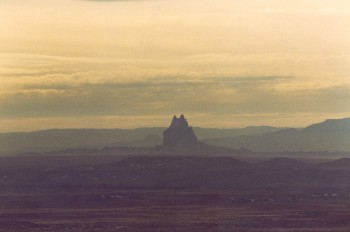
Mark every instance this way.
x=179 y=134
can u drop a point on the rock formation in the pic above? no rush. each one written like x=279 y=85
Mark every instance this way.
x=179 y=134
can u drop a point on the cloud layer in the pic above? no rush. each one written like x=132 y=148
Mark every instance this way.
x=234 y=64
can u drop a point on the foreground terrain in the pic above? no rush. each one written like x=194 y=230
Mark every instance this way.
x=113 y=193
x=175 y=210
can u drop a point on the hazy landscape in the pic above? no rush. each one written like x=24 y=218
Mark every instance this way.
x=174 y=116
x=177 y=184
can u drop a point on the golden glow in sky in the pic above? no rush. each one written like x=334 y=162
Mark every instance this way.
x=76 y=63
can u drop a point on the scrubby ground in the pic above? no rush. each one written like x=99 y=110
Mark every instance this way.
x=173 y=210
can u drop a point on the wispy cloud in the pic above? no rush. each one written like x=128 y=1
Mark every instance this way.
x=314 y=12
x=217 y=61
x=117 y=0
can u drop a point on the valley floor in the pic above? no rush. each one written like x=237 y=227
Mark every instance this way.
x=182 y=210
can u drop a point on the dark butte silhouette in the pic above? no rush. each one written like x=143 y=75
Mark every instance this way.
x=179 y=134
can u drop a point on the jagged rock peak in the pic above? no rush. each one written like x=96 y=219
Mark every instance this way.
x=179 y=122
x=179 y=134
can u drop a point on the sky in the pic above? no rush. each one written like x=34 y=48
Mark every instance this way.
x=136 y=63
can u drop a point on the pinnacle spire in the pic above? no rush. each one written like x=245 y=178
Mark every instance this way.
x=179 y=133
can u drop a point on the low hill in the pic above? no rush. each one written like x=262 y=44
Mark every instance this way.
x=59 y=139
x=167 y=172
x=331 y=135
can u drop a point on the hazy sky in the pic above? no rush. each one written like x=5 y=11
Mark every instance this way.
x=132 y=63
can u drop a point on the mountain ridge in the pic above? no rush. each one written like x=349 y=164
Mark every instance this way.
x=58 y=139
x=330 y=135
